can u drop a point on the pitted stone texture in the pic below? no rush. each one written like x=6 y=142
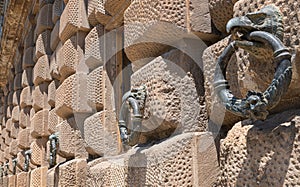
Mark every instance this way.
x=96 y=8
x=23 y=179
x=53 y=121
x=98 y=138
x=40 y=97
x=15 y=114
x=71 y=96
x=114 y=7
x=70 y=140
x=18 y=82
x=41 y=70
x=150 y=26
x=262 y=154
x=221 y=12
x=73 y=18
x=67 y=57
x=43 y=44
x=189 y=159
x=94 y=47
x=39 y=124
x=175 y=95
x=24 y=139
x=28 y=58
x=26 y=97
x=27 y=77
x=44 y=20
x=38 y=148
x=95 y=89
x=57 y=9
x=38 y=177
x=54 y=36
x=52 y=92
x=24 y=118
x=16 y=97
x=216 y=111
x=54 y=64
x=73 y=173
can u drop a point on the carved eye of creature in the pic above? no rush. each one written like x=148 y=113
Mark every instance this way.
x=257 y=18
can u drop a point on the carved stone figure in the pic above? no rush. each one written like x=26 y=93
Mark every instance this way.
x=259 y=33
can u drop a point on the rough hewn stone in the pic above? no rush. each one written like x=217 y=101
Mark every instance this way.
x=53 y=121
x=44 y=20
x=40 y=97
x=38 y=177
x=95 y=89
x=39 y=124
x=23 y=179
x=43 y=44
x=26 y=97
x=24 y=139
x=73 y=173
x=41 y=70
x=38 y=148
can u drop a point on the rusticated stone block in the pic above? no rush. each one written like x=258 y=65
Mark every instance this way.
x=6 y=137
x=24 y=118
x=99 y=139
x=23 y=179
x=28 y=58
x=15 y=114
x=95 y=89
x=43 y=44
x=16 y=98
x=96 y=7
x=188 y=159
x=175 y=95
x=53 y=63
x=52 y=92
x=27 y=77
x=114 y=7
x=40 y=97
x=73 y=173
x=29 y=39
x=13 y=147
x=157 y=25
x=26 y=97
x=44 y=2
x=94 y=47
x=71 y=96
x=38 y=148
x=70 y=140
x=21 y=159
x=44 y=20
x=53 y=176
x=14 y=130
x=10 y=98
x=41 y=70
x=38 y=177
x=53 y=121
x=54 y=36
x=73 y=18
x=251 y=153
x=8 y=112
x=57 y=9
x=18 y=82
x=12 y=179
x=8 y=125
x=24 y=139
x=39 y=124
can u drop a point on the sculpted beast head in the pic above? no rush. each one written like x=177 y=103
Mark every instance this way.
x=268 y=19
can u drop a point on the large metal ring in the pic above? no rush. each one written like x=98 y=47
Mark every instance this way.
x=256 y=105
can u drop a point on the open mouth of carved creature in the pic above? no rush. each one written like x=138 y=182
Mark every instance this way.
x=241 y=33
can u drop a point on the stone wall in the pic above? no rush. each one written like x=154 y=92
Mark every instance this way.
x=64 y=74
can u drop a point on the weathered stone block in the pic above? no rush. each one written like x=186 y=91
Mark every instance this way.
x=41 y=70
x=97 y=8
x=53 y=63
x=94 y=47
x=12 y=180
x=95 y=89
x=29 y=39
x=57 y=9
x=14 y=130
x=39 y=124
x=52 y=92
x=27 y=77
x=26 y=97
x=53 y=176
x=38 y=148
x=73 y=173
x=18 y=82
x=16 y=97
x=40 y=97
x=53 y=121
x=71 y=96
x=54 y=36
x=24 y=139
x=24 y=118
x=43 y=44
x=23 y=179
x=251 y=152
x=73 y=18
x=38 y=177
x=13 y=147
x=28 y=58
x=44 y=20
x=15 y=114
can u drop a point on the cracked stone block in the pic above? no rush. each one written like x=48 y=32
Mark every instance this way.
x=252 y=151
x=73 y=19
x=71 y=143
x=188 y=159
x=57 y=9
x=150 y=27
x=73 y=173
x=98 y=138
x=24 y=139
x=13 y=147
x=41 y=70
x=175 y=96
x=71 y=96
x=95 y=89
x=26 y=97
x=16 y=98
x=18 y=82
x=52 y=92
x=39 y=124
x=44 y=20
x=27 y=77
x=53 y=121
x=96 y=7
x=28 y=58
x=38 y=177
x=23 y=179
x=53 y=63
x=14 y=130
x=15 y=114
x=24 y=118
x=94 y=47
x=43 y=44
x=40 y=97
x=38 y=148
x=54 y=36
